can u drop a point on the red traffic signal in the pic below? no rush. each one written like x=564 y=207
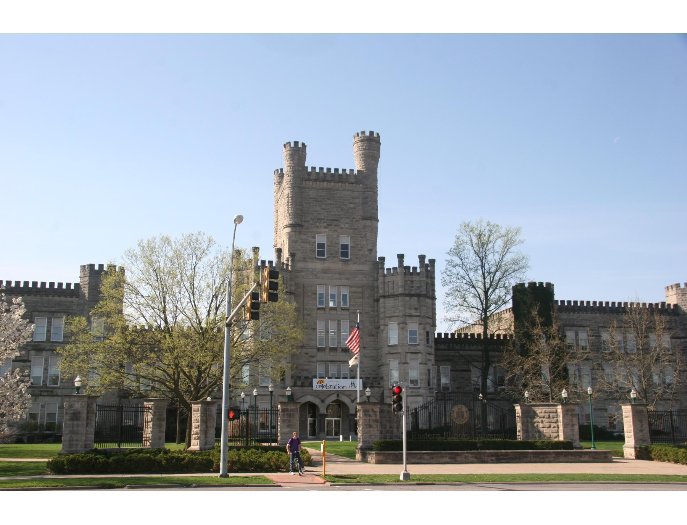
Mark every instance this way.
x=233 y=413
x=397 y=399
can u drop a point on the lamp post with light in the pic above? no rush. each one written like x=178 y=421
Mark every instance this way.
x=77 y=384
x=527 y=396
x=243 y=401
x=271 y=391
x=564 y=396
x=224 y=444
x=591 y=415
x=633 y=396
x=368 y=393
x=288 y=394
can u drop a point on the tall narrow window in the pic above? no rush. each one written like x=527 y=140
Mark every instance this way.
x=57 y=330
x=344 y=296
x=98 y=328
x=344 y=371
x=332 y=297
x=334 y=370
x=582 y=340
x=264 y=375
x=245 y=374
x=344 y=332
x=321 y=339
x=50 y=416
x=39 y=329
x=6 y=366
x=412 y=334
x=414 y=372
x=605 y=340
x=321 y=371
x=37 y=370
x=321 y=245
x=345 y=247
x=430 y=377
x=445 y=378
x=54 y=370
x=332 y=334
x=320 y=295
x=393 y=371
x=393 y=333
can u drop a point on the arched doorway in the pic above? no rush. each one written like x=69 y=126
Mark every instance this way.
x=311 y=413
x=334 y=420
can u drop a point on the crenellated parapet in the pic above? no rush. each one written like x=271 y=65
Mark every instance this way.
x=71 y=290
x=677 y=294
x=620 y=307
x=470 y=341
x=404 y=279
x=457 y=336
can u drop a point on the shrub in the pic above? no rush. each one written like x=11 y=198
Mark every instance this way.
x=667 y=453
x=600 y=434
x=470 y=444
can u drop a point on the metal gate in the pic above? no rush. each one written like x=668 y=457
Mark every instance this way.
x=253 y=427
x=120 y=426
x=668 y=426
x=462 y=416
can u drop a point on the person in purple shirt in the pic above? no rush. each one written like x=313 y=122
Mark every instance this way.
x=293 y=447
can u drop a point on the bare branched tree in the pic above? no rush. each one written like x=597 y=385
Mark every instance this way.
x=482 y=266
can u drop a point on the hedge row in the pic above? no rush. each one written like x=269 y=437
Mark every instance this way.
x=470 y=444
x=667 y=453
x=163 y=461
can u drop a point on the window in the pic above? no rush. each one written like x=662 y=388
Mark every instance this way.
x=332 y=297
x=665 y=342
x=630 y=343
x=320 y=334
x=344 y=332
x=414 y=372
x=345 y=247
x=39 y=329
x=321 y=372
x=98 y=328
x=37 y=370
x=605 y=340
x=393 y=371
x=570 y=339
x=334 y=370
x=245 y=374
x=53 y=370
x=5 y=366
x=445 y=378
x=582 y=340
x=412 y=334
x=264 y=375
x=344 y=370
x=320 y=295
x=344 y=296
x=57 y=330
x=619 y=342
x=320 y=246
x=393 y=333
x=332 y=335
x=50 y=416
x=430 y=377
x=576 y=338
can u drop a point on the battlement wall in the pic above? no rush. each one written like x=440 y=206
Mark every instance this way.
x=609 y=306
x=422 y=269
x=93 y=269
x=453 y=336
x=34 y=288
x=676 y=288
x=321 y=174
x=532 y=285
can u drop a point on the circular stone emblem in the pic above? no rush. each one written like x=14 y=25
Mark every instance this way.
x=459 y=414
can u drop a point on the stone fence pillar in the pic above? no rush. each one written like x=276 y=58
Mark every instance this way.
x=288 y=421
x=636 y=423
x=548 y=421
x=376 y=422
x=203 y=421
x=155 y=423
x=78 y=427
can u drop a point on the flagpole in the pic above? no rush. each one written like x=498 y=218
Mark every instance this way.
x=358 y=367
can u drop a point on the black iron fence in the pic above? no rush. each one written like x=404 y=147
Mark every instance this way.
x=253 y=427
x=462 y=416
x=668 y=426
x=120 y=426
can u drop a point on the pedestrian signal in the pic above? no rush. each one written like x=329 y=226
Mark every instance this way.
x=233 y=413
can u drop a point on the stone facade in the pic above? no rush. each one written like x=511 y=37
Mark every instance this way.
x=203 y=423
x=155 y=422
x=79 y=423
x=636 y=423
x=47 y=306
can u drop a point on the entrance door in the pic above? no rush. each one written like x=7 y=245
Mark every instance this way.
x=332 y=426
x=312 y=421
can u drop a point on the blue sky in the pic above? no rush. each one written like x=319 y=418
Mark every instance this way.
x=581 y=140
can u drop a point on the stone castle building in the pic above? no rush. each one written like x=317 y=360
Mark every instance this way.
x=47 y=307
x=325 y=240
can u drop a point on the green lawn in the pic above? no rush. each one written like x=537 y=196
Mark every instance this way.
x=339 y=448
x=49 y=450
x=505 y=478
x=113 y=483
x=23 y=468
x=616 y=447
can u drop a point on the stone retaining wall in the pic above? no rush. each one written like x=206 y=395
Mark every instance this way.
x=489 y=456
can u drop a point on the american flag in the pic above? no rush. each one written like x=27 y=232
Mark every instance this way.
x=353 y=341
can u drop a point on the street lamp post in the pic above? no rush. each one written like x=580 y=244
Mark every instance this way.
x=368 y=393
x=77 y=384
x=591 y=415
x=564 y=395
x=271 y=391
x=224 y=446
x=288 y=394
x=243 y=401
x=633 y=396
x=527 y=396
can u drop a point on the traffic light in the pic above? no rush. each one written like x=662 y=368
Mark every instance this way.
x=397 y=399
x=269 y=291
x=233 y=413
x=252 y=312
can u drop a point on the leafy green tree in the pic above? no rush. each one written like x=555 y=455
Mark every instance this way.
x=158 y=329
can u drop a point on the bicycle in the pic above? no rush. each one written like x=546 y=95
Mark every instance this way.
x=296 y=458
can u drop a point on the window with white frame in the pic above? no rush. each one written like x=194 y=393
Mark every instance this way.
x=577 y=338
x=50 y=416
x=333 y=339
x=321 y=295
x=334 y=370
x=430 y=377
x=34 y=414
x=344 y=371
x=321 y=336
x=264 y=375
x=39 y=329
x=37 y=363
x=445 y=378
x=321 y=245
x=344 y=332
x=245 y=374
x=54 y=370
x=412 y=334
x=583 y=340
x=57 y=329
x=570 y=339
x=332 y=296
x=393 y=333
x=619 y=341
x=321 y=370
x=344 y=296
x=605 y=340
x=5 y=366
x=98 y=328
x=414 y=372
x=393 y=371
x=665 y=342
x=345 y=246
